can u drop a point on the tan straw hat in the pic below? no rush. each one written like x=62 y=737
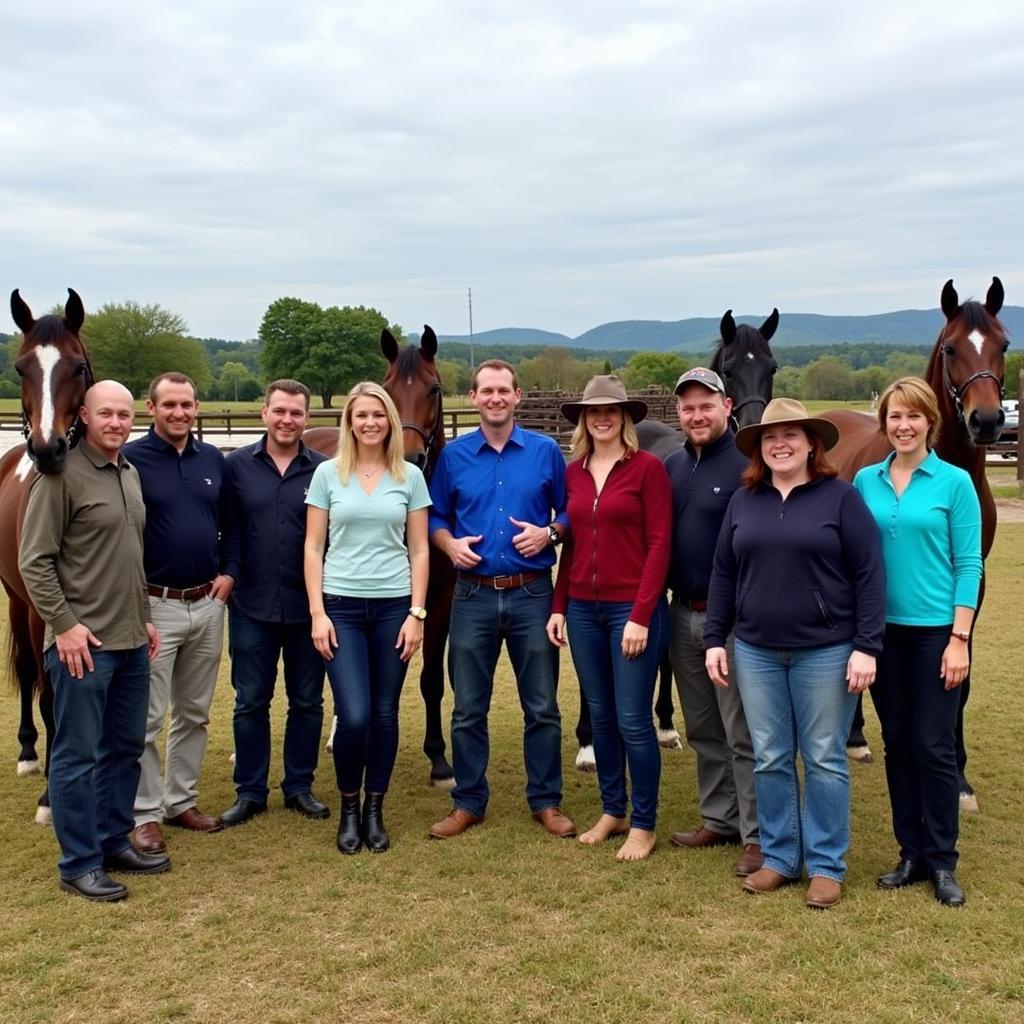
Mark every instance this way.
x=783 y=411
x=605 y=389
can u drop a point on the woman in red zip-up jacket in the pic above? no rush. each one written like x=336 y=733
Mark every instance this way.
x=611 y=595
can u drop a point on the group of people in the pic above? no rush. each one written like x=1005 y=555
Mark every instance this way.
x=791 y=592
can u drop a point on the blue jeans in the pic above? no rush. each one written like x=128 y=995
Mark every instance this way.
x=482 y=618
x=619 y=692
x=99 y=737
x=366 y=676
x=255 y=648
x=798 y=700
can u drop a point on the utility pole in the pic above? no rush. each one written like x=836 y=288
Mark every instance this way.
x=472 y=359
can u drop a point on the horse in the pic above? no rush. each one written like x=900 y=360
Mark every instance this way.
x=965 y=370
x=413 y=382
x=55 y=374
x=743 y=359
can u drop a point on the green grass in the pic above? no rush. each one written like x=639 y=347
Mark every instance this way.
x=268 y=923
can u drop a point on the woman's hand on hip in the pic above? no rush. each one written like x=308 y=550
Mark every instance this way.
x=860 y=671
x=716 y=663
x=324 y=638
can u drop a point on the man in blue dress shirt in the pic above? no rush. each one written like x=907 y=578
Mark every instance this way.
x=181 y=486
x=498 y=511
x=266 y=485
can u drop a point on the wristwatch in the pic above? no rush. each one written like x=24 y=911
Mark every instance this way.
x=961 y=635
x=554 y=536
x=418 y=613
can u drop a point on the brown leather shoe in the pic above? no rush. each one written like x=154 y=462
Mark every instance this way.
x=195 y=821
x=766 y=880
x=823 y=893
x=455 y=824
x=702 y=837
x=149 y=838
x=557 y=822
x=750 y=860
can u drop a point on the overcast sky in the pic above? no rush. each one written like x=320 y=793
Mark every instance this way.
x=573 y=162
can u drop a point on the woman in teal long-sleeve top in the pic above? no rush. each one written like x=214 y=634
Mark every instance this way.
x=929 y=520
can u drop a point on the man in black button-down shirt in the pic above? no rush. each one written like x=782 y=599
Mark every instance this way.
x=265 y=519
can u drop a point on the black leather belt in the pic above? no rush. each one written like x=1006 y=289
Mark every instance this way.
x=188 y=595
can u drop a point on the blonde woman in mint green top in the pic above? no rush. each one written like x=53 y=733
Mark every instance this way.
x=929 y=521
x=366 y=565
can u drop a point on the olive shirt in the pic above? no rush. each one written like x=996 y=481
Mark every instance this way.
x=81 y=550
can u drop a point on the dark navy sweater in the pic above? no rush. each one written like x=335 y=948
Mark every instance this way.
x=702 y=481
x=804 y=572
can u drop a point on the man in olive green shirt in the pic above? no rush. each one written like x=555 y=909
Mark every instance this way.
x=81 y=561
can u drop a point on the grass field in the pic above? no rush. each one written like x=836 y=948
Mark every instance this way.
x=268 y=923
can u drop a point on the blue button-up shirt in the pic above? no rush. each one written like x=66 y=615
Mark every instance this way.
x=183 y=509
x=476 y=490
x=265 y=529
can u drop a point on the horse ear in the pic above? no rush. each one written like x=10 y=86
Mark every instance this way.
x=771 y=325
x=994 y=299
x=388 y=345
x=22 y=314
x=950 y=300
x=74 y=312
x=728 y=328
x=428 y=343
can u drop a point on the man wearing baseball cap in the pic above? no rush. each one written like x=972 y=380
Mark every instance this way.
x=704 y=474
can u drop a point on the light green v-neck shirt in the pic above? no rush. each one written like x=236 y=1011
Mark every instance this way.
x=366 y=554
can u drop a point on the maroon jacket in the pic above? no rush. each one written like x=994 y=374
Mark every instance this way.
x=620 y=543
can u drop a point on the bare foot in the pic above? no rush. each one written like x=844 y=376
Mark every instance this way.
x=638 y=845
x=606 y=827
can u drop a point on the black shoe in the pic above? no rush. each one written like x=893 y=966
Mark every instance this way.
x=374 y=834
x=947 y=889
x=95 y=885
x=308 y=805
x=134 y=862
x=241 y=811
x=907 y=872
x=349 y=839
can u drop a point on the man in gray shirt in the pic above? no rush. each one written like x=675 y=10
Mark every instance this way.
x=81 y=561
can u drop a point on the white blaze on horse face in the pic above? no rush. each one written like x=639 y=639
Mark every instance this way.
x=977 y=339
x=49 y=357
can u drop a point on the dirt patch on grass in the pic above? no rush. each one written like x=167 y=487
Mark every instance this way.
x=1010 y=510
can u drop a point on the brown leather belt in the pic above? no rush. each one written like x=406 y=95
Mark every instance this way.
x=519 y=579
x=694 y=606
x=189 y=594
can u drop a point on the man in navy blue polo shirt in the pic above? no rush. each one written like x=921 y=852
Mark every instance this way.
x=498 y=512
x=181 y=486
x=265 y=487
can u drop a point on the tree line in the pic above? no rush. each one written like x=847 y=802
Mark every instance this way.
x=330 y=348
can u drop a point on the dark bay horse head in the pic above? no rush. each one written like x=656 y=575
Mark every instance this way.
x=55 y=374
x=413 y=382
x=967 y=364
x=744 y=361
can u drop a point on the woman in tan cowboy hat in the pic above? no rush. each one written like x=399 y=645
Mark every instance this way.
x=611 y=594
x=798 y=572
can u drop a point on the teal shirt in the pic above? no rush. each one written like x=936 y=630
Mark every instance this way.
x=931 y=540
x=366 y=554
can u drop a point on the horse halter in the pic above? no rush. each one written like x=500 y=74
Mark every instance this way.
x=430 y=437
x=957 y=393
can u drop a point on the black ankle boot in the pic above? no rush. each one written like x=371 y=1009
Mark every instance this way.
x=374 y=834
x=349 y=839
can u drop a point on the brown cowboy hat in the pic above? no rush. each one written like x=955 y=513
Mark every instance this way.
x=605 y=389
x=782 y=411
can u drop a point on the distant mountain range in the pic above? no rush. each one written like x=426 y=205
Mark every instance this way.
x=698 y=334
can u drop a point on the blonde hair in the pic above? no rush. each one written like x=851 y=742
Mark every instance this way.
x=583 y=444
x=394 y=450
x=916 y=394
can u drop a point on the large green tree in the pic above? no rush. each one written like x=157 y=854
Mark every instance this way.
x=329 y=350
x=133 y=343
x=647 y=368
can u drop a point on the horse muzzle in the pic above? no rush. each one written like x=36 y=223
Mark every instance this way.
x=48 y=458
x=985 y=425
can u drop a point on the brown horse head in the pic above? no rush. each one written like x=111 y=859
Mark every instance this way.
x=55 y=373
x=413 y=382
x=967 y=363
x=744 y=361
